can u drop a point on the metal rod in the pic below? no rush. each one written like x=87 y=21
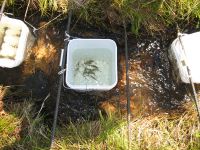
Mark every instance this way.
x=190 y=79
x=2 y=8
x=60 y=85
x=127 y=88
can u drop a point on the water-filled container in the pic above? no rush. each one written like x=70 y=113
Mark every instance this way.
x=91 y=64
x=190 y=43
x=15 y=40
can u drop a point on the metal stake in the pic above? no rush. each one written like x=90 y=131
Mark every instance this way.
x=127 y=88
x=60 y=84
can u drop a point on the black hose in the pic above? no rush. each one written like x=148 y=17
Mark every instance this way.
x=60 y=83
x=127 y=88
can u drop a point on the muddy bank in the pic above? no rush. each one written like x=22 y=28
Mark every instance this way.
x=151 y=85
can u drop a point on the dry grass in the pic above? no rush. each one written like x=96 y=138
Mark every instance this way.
x=155 y=132
x=19 y=129
x=162 y=132
x=44 y=6
x=154 y=15
x=10 y=127
x=10 y=124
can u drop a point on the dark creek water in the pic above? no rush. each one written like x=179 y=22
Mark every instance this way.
x=151 y=85
x=153 y=75
x=152 y=88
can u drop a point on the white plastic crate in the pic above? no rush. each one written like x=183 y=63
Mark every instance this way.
x=91 y=64
x=191 y=44
x=14 y=32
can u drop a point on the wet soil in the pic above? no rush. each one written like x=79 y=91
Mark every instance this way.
x=152 y=87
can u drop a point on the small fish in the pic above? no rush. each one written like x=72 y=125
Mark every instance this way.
x=88 y=71
x=95 y=67
x=89 y=62
x=93 y=77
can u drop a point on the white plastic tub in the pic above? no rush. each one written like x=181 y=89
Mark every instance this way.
x=24 y=42
x=91 y=64
x=191 y=44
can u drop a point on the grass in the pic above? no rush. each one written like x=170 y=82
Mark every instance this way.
x=153 y=15
x=156 y=15
x=53 y=5
x=9 y=128
x=154 y=132
x=21 y=129
x=44 y=6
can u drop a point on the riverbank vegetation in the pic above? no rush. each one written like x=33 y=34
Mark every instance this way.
x=21 y=127
x=154 y=15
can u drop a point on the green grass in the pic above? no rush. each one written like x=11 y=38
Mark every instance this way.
x=53 y=5
x=9 y=128
x=154 y=132
x=20 y=129
x=156 y=15
x=153 y=15
x=44 y=6
x=91 y=135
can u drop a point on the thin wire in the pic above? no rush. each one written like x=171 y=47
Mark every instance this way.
x=49 y=22
x=60 y=85
x=34 y=28
x=127 y=88
x=190 y=79
x=2 y=8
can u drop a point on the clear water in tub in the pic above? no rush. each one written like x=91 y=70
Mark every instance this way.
x=92 y=67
